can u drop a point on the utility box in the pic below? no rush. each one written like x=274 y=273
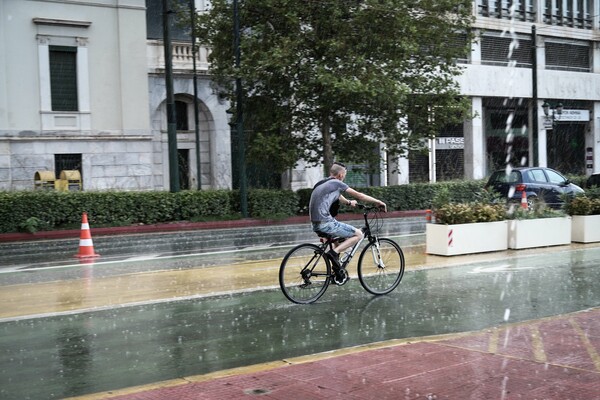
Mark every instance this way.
x=44 y=180
x=70 y=180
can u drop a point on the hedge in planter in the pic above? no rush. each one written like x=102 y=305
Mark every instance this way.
x=585 y=214
x=467 y=228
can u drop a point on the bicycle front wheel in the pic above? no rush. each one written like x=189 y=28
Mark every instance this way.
x=304 y=274
x=381 y=266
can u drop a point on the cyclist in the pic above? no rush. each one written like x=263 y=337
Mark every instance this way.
x=324 y=202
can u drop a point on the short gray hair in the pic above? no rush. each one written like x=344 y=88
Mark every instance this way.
x=337 y=168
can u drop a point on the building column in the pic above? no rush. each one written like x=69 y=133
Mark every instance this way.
x=542 y=138
x=397 y=170
x=592 y=139
x=474 y=151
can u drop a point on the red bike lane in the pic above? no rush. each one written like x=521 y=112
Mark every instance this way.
x=552 y=358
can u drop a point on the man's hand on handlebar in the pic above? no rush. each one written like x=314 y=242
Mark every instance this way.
x=382 y=206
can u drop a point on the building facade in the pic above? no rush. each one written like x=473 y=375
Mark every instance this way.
x=82 y=87
x=560 y=41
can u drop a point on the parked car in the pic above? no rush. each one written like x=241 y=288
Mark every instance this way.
x=539 y=184
x=593 y=180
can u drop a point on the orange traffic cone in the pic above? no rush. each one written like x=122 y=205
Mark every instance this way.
x=428 y=216
x=86 y=246
x=524 y=204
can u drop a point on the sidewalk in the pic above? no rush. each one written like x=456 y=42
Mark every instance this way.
x=552 y=358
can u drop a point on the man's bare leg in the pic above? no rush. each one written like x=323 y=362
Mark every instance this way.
x=349 y=242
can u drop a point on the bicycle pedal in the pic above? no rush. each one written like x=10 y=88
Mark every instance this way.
x=340 y=277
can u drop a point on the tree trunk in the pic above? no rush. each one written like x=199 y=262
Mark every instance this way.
x=327 y=145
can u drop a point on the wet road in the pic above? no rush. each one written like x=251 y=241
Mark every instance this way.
x=81 y=329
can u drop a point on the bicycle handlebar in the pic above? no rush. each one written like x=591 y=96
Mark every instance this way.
x=368 y=207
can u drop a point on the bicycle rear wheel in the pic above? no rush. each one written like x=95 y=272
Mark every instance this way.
x=304 y=274
x=381 y=266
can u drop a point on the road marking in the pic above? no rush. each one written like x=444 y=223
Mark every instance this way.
x=500 y=268
x=537 y=345
x=586 y=343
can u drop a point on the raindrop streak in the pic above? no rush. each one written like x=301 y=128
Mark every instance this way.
x=506 y=314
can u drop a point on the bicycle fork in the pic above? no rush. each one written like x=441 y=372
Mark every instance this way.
x=376 y=253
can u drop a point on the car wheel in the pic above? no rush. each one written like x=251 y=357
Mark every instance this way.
x=533 y=203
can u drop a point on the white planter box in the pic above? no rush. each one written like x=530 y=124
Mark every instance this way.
x=451 y=240
x=539 y=232
x=585 y=228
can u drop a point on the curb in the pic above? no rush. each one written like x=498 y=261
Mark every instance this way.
x=187 y=226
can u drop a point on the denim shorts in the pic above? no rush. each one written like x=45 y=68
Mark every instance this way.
x=334 y=228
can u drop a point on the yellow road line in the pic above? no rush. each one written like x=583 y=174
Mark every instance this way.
x=493 y=342
x=538 y=346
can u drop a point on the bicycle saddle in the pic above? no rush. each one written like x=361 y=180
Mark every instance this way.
x=329 y=237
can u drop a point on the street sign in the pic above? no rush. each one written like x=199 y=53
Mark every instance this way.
x=449 y=143
x=547 y=122
x=572 y=115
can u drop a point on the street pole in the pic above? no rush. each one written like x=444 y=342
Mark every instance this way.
x=239 y=114
x=534 y=106
x=196 y=117
x=171 y=117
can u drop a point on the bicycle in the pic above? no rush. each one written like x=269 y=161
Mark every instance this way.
x=306 y=272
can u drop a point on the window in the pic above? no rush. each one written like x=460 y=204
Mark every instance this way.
x=571 y=56
x=497 y=50
x=521 y=10
x=572 y=13
x=555 y=177
x=537 y=175
x=181 y=111
x=68 y=162
x=63 y=78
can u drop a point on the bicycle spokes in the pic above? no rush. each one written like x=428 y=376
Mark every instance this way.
x=304 y=274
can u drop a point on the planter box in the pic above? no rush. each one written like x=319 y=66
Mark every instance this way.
x=539 y=232
x=585 y=228
x=451 y=240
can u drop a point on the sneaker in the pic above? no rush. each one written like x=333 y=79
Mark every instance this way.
x=335 y=258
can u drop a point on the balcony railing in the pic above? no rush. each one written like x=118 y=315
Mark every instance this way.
x=183 y=59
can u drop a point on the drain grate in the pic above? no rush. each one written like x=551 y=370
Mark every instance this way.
x=257 y=392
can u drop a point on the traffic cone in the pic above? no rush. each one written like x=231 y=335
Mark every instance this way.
x=86 y=246
x=524 y=204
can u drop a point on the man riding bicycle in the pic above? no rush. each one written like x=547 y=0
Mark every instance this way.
x=326 y=194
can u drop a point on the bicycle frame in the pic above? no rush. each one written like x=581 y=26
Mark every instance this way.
x=328 y=243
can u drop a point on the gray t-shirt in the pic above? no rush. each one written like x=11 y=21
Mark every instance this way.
x=323 y=197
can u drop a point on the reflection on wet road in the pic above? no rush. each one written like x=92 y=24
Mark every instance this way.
x=73 y=353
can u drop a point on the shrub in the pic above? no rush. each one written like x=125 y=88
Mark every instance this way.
x=465 y=213
x=269 y=203
x=583 y=205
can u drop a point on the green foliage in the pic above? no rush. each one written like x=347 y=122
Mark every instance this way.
x=465 y=213
x=537 y=212
x=583 y=205
x=341 y=76
x=263 y=203
x=32 y=211
x=415 y=196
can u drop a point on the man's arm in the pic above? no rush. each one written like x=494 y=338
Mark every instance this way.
x=362 y=197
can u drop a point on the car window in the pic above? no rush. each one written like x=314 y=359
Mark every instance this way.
x=502 y=177
x=536 y=175
x=555 y=177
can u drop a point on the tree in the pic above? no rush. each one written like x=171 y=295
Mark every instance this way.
x=342 y=76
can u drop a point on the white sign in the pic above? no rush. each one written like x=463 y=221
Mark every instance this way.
x=547 y=122
x=572 y=115
x=449 y=143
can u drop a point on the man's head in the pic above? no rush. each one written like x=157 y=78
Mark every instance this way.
x=338 y=171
